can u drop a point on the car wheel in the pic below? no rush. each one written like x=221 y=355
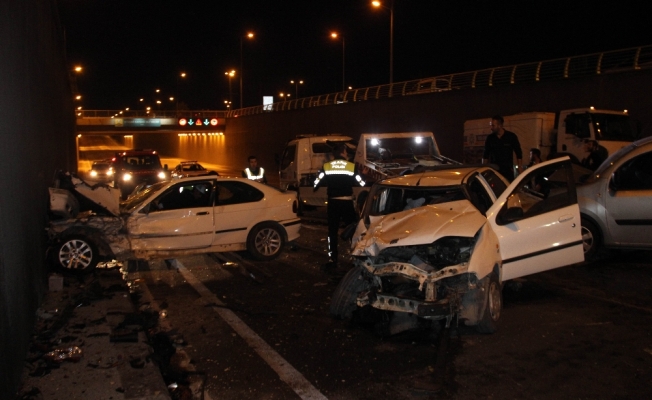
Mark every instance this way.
x=76 y=253
x=493 y=306
x=343 y=301
x=265 y=241
x=591 y=239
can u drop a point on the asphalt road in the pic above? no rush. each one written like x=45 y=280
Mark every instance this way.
x=261 y=330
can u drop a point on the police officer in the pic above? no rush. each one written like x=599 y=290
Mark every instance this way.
x=254 y=172
x=339 y=176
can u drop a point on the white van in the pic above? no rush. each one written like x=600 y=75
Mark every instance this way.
x=302 y=159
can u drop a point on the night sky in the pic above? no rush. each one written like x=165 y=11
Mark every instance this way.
x=129 y=48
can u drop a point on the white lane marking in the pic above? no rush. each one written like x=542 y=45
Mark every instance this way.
x=285 y=371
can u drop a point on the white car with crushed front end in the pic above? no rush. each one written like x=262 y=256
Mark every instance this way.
x=438 y=245
x=168 y=220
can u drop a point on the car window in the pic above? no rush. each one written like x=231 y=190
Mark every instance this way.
x=495 y=183
x=635 y=174
x=479 y=196
x=184 y=195
x=235 y=192
x=288 y=156
x=546 y=189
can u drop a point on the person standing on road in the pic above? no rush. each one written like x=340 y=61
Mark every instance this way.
x=254 y=172
x=499 y=148
x=339 y=176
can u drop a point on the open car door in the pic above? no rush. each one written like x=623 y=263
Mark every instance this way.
x=537 y=220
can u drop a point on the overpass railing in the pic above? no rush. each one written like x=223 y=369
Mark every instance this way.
x=625 y=60
x=616 y=61
x=150 y=114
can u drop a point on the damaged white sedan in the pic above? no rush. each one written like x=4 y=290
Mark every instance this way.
x=167 y=220
x=438 y=245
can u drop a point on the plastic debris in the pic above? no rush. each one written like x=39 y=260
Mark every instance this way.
x=72 y=353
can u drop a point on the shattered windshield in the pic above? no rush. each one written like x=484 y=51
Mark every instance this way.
x=391 y=199
x=135 y=200
x=407 y=147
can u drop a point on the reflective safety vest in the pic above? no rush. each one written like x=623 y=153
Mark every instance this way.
x=250 y=175
x=339 y=167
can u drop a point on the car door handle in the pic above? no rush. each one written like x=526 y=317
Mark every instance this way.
x=203 y=213
x=565 y=218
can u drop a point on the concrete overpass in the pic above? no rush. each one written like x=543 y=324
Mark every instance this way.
x=612 y=80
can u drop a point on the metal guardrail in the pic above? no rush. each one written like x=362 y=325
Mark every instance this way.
x=625 y=60
x=616 y=61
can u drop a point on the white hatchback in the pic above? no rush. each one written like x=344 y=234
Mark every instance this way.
x=169 y=219
x=439 y=244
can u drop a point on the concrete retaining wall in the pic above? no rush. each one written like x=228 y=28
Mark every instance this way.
x=36 y=136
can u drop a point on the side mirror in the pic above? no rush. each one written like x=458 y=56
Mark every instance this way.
x=165 y=167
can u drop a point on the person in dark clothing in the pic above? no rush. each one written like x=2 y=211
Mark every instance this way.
x=254 y=172
x=500 y=147
x=535 y=157
x=339 y=176
x=597 y=154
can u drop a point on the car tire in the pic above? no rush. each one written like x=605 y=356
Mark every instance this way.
x=493 y=306
x=591 y=239
x=76 y=254
x=343 y=301
x=266 y=240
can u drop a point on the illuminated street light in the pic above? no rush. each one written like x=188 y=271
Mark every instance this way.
x=249 y=35
x=296 y=87
x=78 y=68
x=78 y=97
x=379 y=4
x=335 y=35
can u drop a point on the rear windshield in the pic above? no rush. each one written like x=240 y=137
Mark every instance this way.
x=141 y=162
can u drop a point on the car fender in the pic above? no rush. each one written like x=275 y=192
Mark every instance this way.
x=594 y=211
x=486 y=254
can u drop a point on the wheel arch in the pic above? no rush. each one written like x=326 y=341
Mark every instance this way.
x=95 y=236
x=595 y=221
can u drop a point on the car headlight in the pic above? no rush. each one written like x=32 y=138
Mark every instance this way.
x=93 y=173
x=109 y=172
x=161 y=175
x=126 y=177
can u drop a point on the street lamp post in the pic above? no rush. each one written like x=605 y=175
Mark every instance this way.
x=250 y=36
x=335 y=35
x=182 y=75
x=296 y=87
x=391 y=36
x=231 y=74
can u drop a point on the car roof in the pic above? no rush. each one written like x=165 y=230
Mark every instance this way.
x=189 y=162
x=630 y=148
x=136 y=153
x=448 y=175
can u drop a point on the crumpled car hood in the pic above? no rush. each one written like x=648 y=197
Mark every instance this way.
x=420 y=225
